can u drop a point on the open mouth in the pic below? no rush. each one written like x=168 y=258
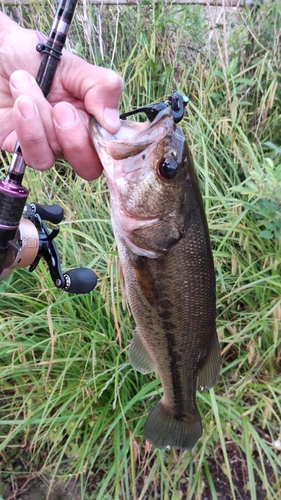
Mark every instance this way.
x=133 y=140
x=127 y=131
x=138 y=131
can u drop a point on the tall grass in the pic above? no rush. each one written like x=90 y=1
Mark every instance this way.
x=72 y=408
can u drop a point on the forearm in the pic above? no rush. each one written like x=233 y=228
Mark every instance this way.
x=15 y=46
x=3 y=18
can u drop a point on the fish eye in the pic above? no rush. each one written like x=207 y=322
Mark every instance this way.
x=168 y=168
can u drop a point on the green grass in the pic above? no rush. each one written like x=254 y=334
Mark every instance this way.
x=72 y=409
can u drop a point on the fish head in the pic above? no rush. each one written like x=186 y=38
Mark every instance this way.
x=147 y=166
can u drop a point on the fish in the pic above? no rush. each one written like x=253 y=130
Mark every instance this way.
x=164 y=248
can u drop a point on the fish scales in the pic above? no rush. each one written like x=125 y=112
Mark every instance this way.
x=164 y=248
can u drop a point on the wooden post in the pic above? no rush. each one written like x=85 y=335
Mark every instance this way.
x=212 y=3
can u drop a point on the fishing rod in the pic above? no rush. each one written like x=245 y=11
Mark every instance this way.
x=24 y=238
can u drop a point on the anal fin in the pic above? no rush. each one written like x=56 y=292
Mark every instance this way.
x=209 y=373
x=139 y=357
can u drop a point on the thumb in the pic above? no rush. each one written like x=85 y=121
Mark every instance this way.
x=99 y=89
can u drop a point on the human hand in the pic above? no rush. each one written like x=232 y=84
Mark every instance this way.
x=57 y=127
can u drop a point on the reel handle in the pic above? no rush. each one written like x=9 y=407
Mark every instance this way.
x=79 y=280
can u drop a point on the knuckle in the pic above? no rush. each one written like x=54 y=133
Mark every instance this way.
x=116 y=81
x=73 y=148
x=42 y=162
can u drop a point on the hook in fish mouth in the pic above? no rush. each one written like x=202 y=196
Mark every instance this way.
x=135 y=134
x=176 y=101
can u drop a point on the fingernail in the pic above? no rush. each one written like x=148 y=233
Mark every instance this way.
x=64 y=115
x=27 y=107
x=21 y=79
x=111 y=117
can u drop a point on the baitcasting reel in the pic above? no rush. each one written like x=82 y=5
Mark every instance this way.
x=33 y=240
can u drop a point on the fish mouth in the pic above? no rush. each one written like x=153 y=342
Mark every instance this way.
x=125 y=131
x=133 y=137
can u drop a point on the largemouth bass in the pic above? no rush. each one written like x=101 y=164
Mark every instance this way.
x=164 y=248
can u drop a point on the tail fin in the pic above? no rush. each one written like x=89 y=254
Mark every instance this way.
x=163 y=429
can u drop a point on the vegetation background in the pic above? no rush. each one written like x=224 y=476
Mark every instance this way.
x=72 y=409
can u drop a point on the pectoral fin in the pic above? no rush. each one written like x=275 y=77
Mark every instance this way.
x=139 y=357
x=122 y=281
x=210 y=371
x=145 y=280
